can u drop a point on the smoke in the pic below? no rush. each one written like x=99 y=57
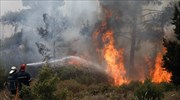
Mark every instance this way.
x=139 y=29
x=55 y=24
x=59 y=28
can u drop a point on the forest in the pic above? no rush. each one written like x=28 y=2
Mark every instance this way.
x=100 y=49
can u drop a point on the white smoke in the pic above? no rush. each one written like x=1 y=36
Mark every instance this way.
x=71 y=14
x=65 y=19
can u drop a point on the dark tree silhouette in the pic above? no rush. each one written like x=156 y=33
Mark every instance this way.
x=172 y=56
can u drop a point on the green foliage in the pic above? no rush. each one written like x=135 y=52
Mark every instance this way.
x=45 y=87
x=27 y=93
x=105 y=88
x=71 y=85
x=74 y=83
x=167 y=86
x=84 y=76
x=148 y=91
x=64 y=94
x=70 y=89
x=129 y=87
x=65 y=73
x=172 y=56
x=101 y=88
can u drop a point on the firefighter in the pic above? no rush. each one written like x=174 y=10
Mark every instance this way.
x=23 y=78
x=12 y=83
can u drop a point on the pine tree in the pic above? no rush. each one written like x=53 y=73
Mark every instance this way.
x=172 y=56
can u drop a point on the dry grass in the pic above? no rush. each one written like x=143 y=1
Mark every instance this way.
x=5 y=95
x=172 y=95
x=77 y=92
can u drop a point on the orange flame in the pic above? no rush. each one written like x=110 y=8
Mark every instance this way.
x=114 y=59
x=159 y=74
x=73 y=62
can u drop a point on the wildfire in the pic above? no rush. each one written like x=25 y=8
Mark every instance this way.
x=114 y=59
x=104 y=39
x=73 y=62
x=159 y=74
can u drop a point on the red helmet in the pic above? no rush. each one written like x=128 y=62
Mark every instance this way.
x=23 y=67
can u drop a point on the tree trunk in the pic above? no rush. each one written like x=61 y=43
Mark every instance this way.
x=132 y=52
x=133 y=46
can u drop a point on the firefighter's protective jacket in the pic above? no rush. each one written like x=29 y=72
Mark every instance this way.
x=12 y=84
x=23 y=78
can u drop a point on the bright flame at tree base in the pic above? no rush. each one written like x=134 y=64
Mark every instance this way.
x=159 y=74
x=114 y=59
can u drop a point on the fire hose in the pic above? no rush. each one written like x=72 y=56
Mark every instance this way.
x=17 y=94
